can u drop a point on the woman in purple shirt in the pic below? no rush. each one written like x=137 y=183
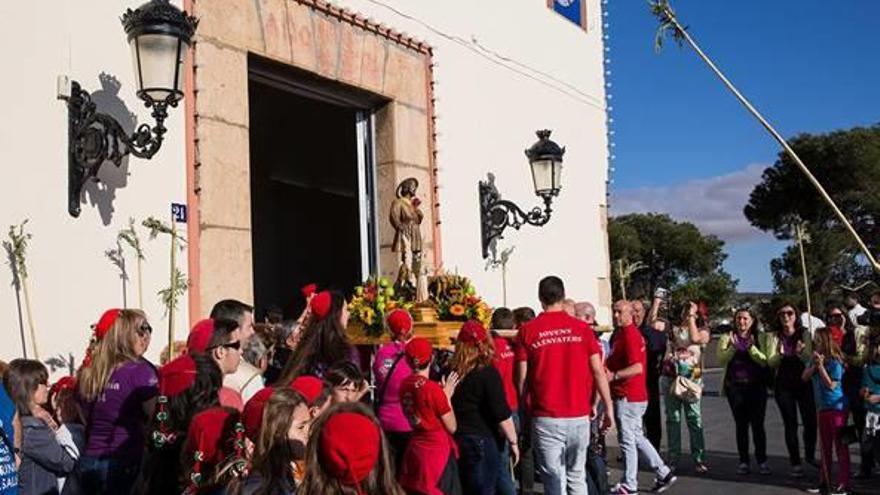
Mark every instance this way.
x=745 y=385
x=117 y=389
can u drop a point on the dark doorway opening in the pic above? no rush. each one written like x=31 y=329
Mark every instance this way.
x=311 y=194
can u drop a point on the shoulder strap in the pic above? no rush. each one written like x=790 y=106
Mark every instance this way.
x=380 y=394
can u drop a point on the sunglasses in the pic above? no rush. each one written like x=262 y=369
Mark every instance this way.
x=232 y=345
x=786 y=313
x=145 y=329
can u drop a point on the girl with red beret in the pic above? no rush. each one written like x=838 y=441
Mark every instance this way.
x=213 y=453
x=280 y=441
x=323 y=342
x=390 y=369
x=429 y=465
x=187 y=385
x=344 y=463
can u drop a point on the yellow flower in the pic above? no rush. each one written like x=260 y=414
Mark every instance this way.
x=457 y=310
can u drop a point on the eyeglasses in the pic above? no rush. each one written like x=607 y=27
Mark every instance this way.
x=232 y=345
x=786 y=313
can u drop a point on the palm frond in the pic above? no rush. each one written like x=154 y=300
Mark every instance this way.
x=118 y=260
x=170 y=295
x=131 y=237
x=157 y=227
x=669 y=26
x=16 y=249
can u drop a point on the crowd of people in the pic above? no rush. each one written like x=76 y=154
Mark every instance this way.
x=292 y=407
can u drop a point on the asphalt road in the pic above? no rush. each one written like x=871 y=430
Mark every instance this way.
x=722 y=458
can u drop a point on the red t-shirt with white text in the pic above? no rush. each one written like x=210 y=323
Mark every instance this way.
x=557 y=348
x=504 y=364
x=423 y=403
x=628 y=348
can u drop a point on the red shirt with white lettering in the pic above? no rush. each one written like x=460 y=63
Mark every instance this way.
x=423 y=403
x=504 y=364
x=557 y=348
x=628 y=348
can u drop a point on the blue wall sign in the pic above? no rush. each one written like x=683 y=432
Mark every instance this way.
x=571 y=10
x=178 y=212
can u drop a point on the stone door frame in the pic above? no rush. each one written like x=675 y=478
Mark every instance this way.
x=334 y=44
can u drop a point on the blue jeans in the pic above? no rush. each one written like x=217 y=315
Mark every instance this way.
x=505 y=484
x=478 y=464
x=561 y=454
x=106 y=474
x=633 y=443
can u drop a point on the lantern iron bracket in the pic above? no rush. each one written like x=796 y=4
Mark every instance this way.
x=95 y=137
x=497 y=214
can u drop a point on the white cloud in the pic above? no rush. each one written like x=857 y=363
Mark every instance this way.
x=715 y=205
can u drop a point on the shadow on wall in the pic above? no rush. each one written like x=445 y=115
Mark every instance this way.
x=102 y=193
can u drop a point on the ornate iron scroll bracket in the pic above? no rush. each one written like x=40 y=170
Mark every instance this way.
x=95 y=137
x=497 y=214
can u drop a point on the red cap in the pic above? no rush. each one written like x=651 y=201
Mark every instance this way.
x=419 y=351
x=212 y=433
x=252 y=417
x=320 y=304
x=177 y=376
x=346 y=456
x=472 y=332
x=309 y=290
x=310 y=387
x=63 y=383
x=400 y=322
x=200 y=337
x=105 y=323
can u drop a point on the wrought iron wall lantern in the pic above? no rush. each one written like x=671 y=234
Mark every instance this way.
x=159 y=35
x=496 y=214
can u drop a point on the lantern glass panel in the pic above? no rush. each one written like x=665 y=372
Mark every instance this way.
x=158 y=63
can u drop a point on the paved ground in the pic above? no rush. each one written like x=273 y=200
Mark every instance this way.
x=722 y=457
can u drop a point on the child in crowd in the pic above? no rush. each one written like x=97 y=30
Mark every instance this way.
x=65 y=411
x=870 y=393
x=504 y=321
x=280 y=441
x=429 y=465
x=826 y=373
x=347 y=383
x=347 y=454
x=43 y=459
x=214 y=452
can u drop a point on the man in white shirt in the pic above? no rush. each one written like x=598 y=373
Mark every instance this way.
x=854 y=309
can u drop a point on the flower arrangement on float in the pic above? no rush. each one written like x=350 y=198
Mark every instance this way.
x=372 y=301
x=456 y=299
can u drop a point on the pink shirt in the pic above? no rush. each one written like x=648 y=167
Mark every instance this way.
x=390 y=411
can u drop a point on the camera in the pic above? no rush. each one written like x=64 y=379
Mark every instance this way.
x=870 y=318
x=661 y=293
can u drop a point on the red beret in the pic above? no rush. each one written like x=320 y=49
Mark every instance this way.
x=212 y=432
x=252 y=417
x=177 y=376
x=63 y=383
x=419 y=351
x=310 y=387
x=321 y=304
x=400 y=322
x=200 y=337
x=349 y=457
x=309 y=290
x=472 y=332
x=106 y=322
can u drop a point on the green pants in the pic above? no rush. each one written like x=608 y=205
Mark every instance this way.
x=693 y=416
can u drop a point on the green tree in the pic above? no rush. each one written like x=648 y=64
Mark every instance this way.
x=847 y=163
x=676 y=256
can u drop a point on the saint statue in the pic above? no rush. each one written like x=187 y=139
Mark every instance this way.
x=406 y=218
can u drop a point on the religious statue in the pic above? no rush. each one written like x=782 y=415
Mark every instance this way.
x=406 y=218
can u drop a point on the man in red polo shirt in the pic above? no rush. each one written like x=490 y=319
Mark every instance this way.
x=558 y=357
x=627 y=364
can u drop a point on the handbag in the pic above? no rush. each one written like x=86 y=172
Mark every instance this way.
x=686 y=389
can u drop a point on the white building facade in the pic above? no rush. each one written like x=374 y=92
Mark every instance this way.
x=445 y=92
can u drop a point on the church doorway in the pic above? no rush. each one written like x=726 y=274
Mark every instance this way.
x=313 y=191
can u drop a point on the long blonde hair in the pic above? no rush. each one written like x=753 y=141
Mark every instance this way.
x=471 y=355
x=115 y=349
x=823 y=340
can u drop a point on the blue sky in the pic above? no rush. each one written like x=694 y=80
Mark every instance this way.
x=685 y=146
